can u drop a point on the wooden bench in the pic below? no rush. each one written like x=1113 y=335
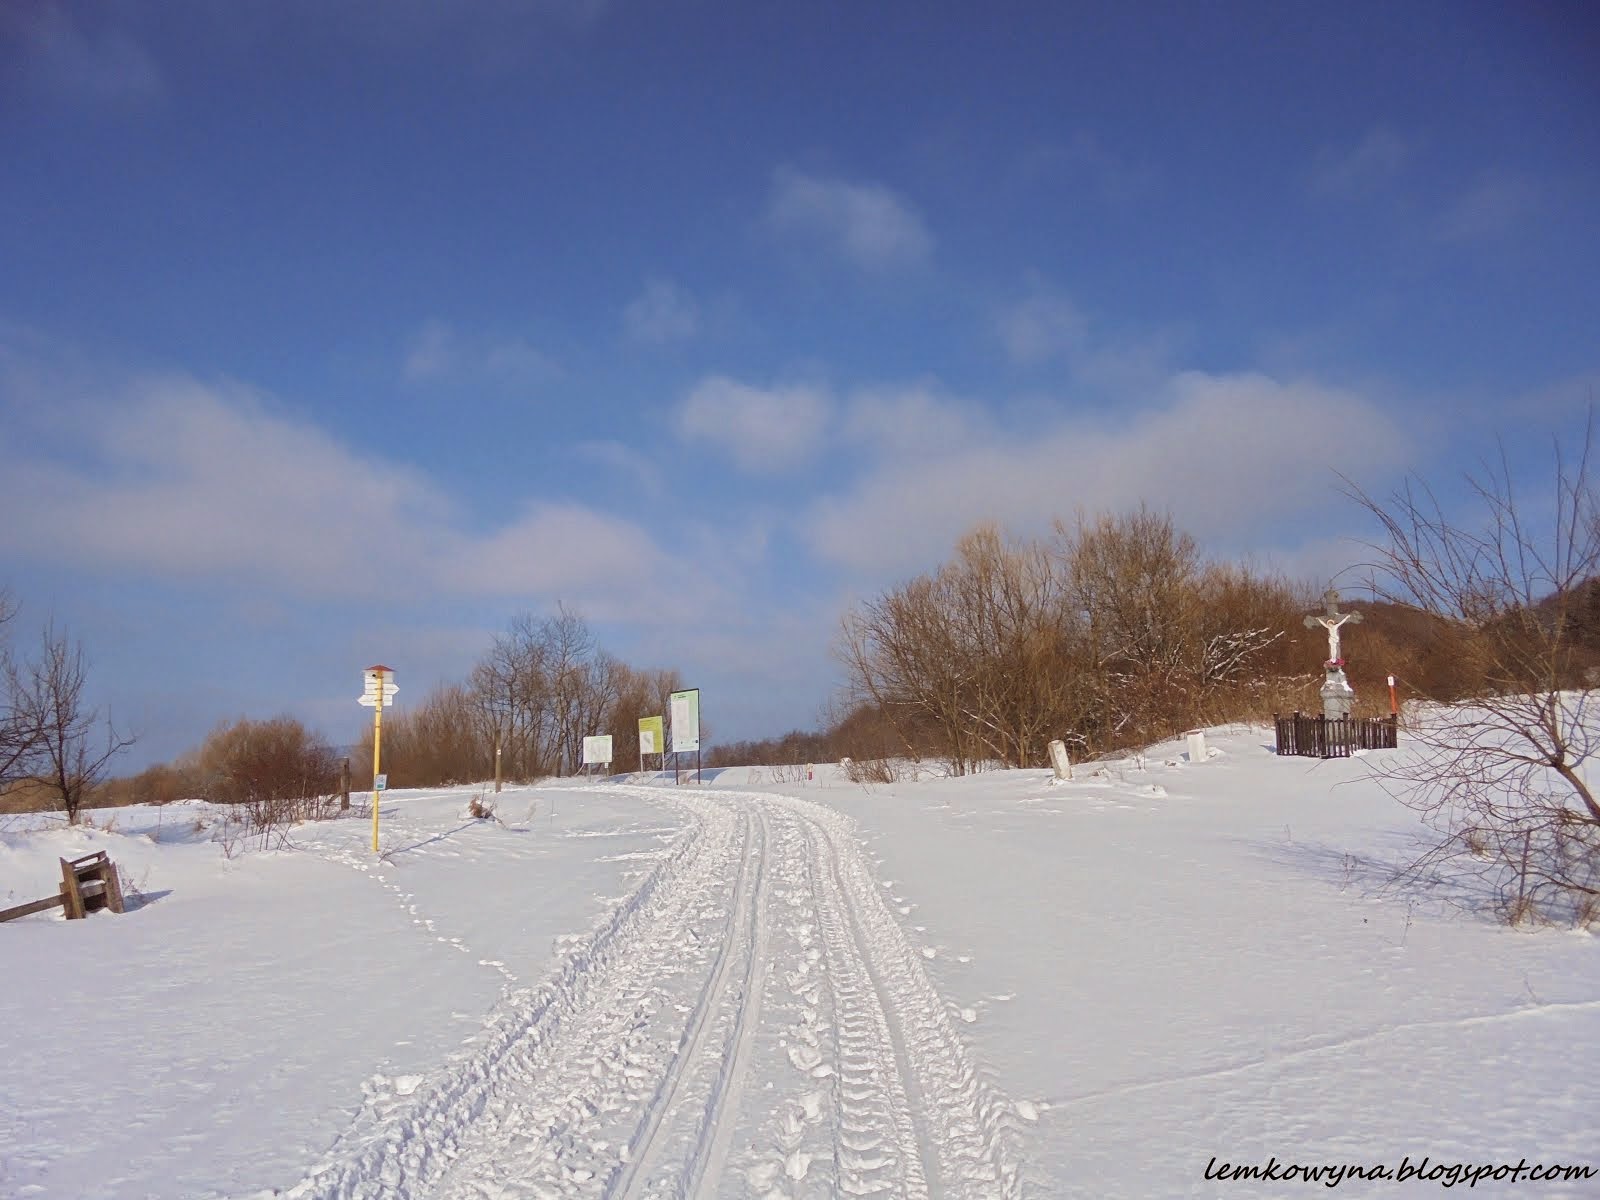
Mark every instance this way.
x=88 y=884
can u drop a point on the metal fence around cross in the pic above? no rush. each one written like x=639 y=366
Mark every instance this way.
x=1334 y=737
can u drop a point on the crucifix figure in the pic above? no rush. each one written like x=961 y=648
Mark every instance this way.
x=1331 y=619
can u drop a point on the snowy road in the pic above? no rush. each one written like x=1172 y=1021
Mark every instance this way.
x=750 y=1021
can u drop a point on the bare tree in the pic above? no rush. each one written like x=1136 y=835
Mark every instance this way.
x=1497 y=774
x=512 y=687
x=74 y=745
x=19 y=731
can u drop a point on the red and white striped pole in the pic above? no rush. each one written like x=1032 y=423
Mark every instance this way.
x=1394 y=705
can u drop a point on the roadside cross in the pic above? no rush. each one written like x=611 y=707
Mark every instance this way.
x=1331 y=620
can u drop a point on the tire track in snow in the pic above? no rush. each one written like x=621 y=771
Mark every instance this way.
x=398 y=1154
x=739 y=955
x=953 y=1133
x=736 y=1061
x=586 y=1112
x=877 y=1149
x=629 y=1075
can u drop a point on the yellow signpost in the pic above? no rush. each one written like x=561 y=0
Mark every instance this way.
x=380 y=690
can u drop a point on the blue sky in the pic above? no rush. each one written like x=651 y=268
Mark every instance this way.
x=341 y=332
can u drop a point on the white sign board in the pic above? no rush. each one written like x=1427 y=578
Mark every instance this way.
x=647 y=742
x=597 y=750
x=686 y=721
x=380 y=782
x=369 y=690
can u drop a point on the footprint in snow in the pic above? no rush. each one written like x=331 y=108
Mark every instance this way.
x=762 y=1177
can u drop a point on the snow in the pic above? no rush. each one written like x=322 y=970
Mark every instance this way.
x=997 y=985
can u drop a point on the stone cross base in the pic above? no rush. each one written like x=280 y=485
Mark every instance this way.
x=1337 y=695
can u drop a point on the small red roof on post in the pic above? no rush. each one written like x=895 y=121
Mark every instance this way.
x=384 y=669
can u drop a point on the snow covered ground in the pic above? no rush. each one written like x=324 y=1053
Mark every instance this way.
x=980 y=987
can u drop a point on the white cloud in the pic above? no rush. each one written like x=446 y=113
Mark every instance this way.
x=1495 y=204
x=865 y=223
x=1228 y=454
x=620 y=459
x=662 y=313
x=192 y=480
x=441 y=354
x=170 y=478
x=1041 y=327
x=571 y=551
x=761 y=429
x=1345 y=172
x=915 y=419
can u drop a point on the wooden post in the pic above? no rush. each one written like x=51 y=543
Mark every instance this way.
x=71 y=897
x=344 y=786
x=113 y=887
x=25 y=910
x=496 y=762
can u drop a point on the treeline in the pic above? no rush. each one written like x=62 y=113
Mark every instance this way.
x=1110 y=633
x=861 y=734
x=1114 y=632
x=544 y=685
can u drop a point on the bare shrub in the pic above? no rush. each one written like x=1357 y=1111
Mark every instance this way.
x=162 y=783
x=276 y=771
x=869 y=770
x=1586 y=912
x=1522 y=911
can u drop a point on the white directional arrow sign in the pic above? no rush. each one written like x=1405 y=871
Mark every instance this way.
x=369 y=696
